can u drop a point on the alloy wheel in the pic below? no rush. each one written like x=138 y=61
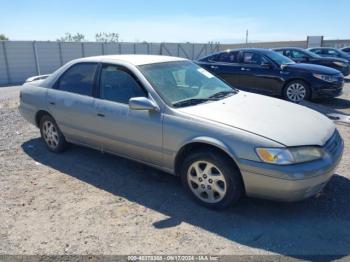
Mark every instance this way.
x=206 y=181
x=296 y=92
x=50 y=134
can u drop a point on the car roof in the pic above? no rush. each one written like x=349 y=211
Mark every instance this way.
x=132 y=59
x=288 y=48
x=247 y=49
x=321 y=48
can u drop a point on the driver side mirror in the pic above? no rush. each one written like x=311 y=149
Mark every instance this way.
x=142 y=103
x=266 y=65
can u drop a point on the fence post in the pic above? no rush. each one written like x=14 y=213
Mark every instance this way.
x=102 y=48
x=161 y=49
x=192 y=52
x=35 y=52
x=82 y=49
x=60 y=53
x=6 y=63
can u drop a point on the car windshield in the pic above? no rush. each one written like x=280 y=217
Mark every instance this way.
x=279 y=59
x=183 y=83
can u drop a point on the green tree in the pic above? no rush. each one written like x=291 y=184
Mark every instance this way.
x=68 y=37
x=107 y=37
x=3 y=37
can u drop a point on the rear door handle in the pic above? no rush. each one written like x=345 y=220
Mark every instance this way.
x=245 y=69
x=100 y=115
x=52 y=103
x=214 y=67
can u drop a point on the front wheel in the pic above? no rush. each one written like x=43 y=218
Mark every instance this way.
x=297 y=91
x=211 y=179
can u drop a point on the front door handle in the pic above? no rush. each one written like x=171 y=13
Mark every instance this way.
x=100 y=115
x=214 y=67
x=245 y=69
x=52 y=103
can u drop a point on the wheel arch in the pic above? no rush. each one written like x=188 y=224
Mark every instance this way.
x=203 y=143
x=39 y=115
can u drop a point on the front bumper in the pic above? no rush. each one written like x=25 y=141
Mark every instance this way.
x=292 y=182
x=345 y=71
x=328 y=89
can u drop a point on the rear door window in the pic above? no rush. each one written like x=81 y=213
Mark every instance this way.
x=250 y=58
x=78 y=79
x=331 y=52
x=296 y=54
x=226 y=57
x=317 y=51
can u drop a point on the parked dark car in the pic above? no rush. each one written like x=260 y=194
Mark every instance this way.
x=300 y=55
x=346 y=49
x=330 y=52
x=268 y=72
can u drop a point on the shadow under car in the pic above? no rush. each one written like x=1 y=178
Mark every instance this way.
x=316 y=226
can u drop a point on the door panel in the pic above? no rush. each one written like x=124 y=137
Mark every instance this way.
x=75 y=115
x=258 y=79
x=225 y=65
x=71 y=103
x=133 y=133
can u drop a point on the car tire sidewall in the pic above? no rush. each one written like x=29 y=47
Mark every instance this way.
x=62 y=144
x=230 y=172
x=306 y=86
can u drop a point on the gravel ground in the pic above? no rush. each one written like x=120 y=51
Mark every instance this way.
x=86 y=202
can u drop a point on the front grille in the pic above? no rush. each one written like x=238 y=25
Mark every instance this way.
x=333 y=143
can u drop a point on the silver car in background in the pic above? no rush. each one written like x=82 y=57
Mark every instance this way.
x=171 y=114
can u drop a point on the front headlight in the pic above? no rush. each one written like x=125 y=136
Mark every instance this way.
x=342 y=64
x=285 y=156
x=326 y=78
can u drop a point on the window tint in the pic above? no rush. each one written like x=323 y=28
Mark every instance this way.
x=317 y=51
x=225 y=57
x=253 y=58
x=298 y=54
x=78 y=79
x=119 y=86
x=331 y=52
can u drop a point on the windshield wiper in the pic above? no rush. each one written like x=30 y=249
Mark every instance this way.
x=192 y=101
x=223 y=94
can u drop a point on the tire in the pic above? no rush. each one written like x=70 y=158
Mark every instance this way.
x=200 y=183
x=52 y=135
x=297 y=91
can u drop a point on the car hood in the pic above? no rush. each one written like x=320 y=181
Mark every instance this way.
x=284 y=122
x=311 y=68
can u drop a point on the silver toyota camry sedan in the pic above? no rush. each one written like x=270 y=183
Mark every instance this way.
x=171 y=114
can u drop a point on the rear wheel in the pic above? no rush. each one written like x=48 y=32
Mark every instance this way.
x=211 y=179
x=297 y=91
x=52 y=135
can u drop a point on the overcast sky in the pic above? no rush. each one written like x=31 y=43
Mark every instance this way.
x=177 y=20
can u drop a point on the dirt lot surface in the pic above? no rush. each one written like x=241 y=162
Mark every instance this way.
x=85 y=202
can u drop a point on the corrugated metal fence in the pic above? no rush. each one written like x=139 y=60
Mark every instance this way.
x=22 y=59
